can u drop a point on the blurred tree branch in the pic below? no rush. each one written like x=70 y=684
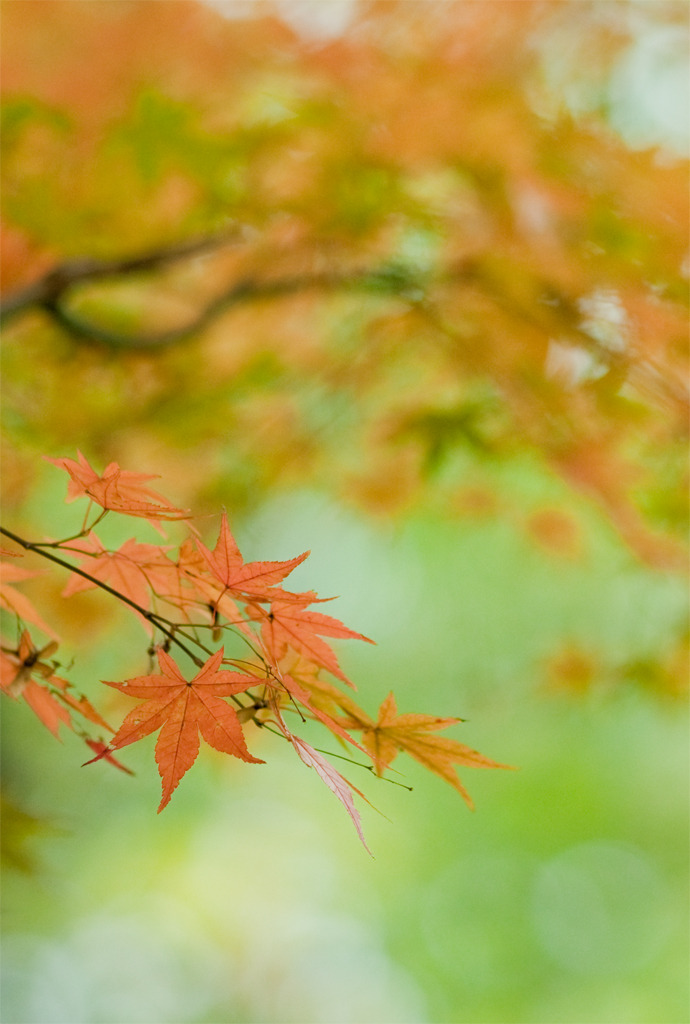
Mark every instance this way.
x=556 y=313
x=48 y=290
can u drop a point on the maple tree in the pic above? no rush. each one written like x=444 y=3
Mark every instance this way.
x=392 y=263
x=222 y=594
x=393 y=257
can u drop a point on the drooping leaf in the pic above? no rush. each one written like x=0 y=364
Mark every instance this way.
x=336 y=782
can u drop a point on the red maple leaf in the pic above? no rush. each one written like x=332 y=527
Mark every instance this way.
x=117 y=490
x=182 y=709
x=288 y=623
x=102 y=750
x=245 y=578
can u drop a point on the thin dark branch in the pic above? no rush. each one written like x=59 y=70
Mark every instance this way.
x=154 y=619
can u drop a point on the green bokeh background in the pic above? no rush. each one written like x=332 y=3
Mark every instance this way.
x=561 y=898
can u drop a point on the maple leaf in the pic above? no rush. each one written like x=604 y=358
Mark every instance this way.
x=49 y=696
x=14 y=601
x=325 y=695
x=16 y=671
x=47 y=708
x=117 y=490
x=336 y=782
x=101 y=750
x=288 y=623
x=134 y=570
x=182 y=710
x=236 y=575
x=18 y=665
x=391 y=733
x=182 y=584
x=298 y=693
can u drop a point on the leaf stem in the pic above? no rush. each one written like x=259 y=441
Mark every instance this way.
x=367 y=767
x=85 y=530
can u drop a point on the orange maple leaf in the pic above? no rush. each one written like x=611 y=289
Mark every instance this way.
x=182 y=710
x=325 y=696
x=16 y=602
x=236 y=575
x=16 y=680
x=45 y=706
x=135 y=570
x=391 y=733
x=48 y=696
x=117 y=490
x=288 y=623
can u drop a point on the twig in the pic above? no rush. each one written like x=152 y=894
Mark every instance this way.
x=154 y=619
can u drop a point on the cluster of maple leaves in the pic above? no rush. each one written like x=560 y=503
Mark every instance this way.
x=188 y=605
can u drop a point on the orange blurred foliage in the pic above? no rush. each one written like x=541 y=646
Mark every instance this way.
x=431 y=260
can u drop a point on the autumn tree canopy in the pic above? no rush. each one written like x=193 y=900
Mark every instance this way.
x=393 y=256
x=391 y=261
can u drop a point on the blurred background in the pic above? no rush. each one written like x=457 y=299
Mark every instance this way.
x=404 y=284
